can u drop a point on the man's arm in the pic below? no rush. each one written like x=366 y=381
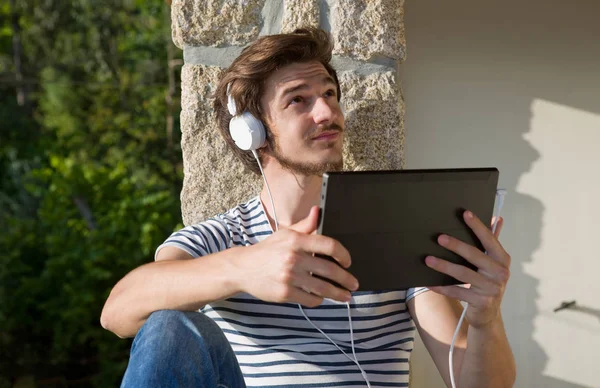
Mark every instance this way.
x=172 y=282
x=482 y=356
x=278 y=269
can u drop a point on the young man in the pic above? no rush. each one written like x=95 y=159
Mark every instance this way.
x=249 y=281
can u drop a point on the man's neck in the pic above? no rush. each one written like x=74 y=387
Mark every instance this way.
x=294 y=194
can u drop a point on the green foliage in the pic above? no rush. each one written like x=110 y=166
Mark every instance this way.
x=89 y=186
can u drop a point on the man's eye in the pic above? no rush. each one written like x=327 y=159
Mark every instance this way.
x=296 y=100
x=330 y=93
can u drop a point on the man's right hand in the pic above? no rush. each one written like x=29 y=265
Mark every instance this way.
x=280 y=268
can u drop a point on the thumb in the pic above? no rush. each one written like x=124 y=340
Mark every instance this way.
x=308 y=224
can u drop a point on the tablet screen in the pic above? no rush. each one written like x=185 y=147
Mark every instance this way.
x=389 y=220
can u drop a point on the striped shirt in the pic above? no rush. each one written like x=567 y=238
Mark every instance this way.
x=273 y=342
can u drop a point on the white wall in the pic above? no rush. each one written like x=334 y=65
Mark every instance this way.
x=516 y=84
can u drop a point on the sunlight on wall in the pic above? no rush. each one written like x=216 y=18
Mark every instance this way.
x=566 y=179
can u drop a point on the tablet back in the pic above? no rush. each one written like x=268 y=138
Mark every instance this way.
x=389 y=220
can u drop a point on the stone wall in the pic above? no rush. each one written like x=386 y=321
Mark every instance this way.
x=369 y=44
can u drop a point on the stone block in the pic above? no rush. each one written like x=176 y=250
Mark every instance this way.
x=374 y=136
x=215 y=22
x=300 y=13
x=214 y=179
x=198 y=82
x=367 y=29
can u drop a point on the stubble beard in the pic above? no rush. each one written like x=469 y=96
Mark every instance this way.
x=304 y=168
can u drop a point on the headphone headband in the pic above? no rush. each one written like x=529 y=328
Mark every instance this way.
x=231 y=102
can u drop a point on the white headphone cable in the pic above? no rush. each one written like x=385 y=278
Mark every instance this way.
x=268 y=189
x=500 y=193
x=355 y=360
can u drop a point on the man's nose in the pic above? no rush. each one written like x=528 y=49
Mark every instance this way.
x=323 y=112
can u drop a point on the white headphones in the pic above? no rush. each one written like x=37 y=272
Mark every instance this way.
x=247 y=131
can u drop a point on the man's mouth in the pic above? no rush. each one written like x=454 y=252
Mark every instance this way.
x=327 y=135
x=328 y=132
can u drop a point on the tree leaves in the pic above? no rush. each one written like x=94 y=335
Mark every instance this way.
x=89 y=187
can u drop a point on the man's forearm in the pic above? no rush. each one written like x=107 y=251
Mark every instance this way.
x=168 y=285
x=488 y=360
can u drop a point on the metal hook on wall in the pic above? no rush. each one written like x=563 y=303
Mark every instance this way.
x=565 y=305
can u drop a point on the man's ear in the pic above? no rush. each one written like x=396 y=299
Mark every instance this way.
x=264 y=152
x=266 y=148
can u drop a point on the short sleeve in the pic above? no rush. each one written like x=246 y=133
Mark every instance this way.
x=412 y=292
x=199 y=240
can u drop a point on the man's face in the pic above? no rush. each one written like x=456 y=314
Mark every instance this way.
x=303 y=114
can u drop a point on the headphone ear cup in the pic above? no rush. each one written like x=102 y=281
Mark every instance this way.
x=247 y=132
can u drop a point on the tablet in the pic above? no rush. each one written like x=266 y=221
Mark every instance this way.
x=390 y=220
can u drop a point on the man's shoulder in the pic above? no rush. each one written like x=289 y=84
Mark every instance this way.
x=220 y=232
x=242 y=216
x=252 y=204
x=247 y=223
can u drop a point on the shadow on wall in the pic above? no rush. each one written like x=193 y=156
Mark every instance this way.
x=583 y=310
x=472 y=73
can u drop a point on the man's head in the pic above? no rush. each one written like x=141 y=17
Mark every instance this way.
x=286 y=81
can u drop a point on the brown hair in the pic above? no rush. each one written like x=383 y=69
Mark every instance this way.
x=248 y=73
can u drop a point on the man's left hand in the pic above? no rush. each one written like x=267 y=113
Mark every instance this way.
x=488 y=283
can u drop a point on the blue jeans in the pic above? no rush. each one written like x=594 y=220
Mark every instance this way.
x=182 y=349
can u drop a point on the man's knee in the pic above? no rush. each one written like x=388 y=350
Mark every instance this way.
x=173 y=330
x=187 y=347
